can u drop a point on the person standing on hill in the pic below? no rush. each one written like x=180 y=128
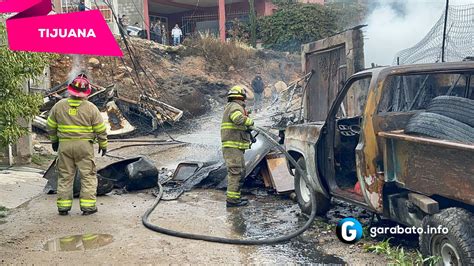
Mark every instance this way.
x=258 y=88
x=176 y=34
x=164 y=34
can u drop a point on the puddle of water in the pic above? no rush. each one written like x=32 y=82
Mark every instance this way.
x=270 y=218
x=78 y=242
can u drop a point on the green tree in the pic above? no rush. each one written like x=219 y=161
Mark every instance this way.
x=15 y=69
x=294 y=24
x=253 y=23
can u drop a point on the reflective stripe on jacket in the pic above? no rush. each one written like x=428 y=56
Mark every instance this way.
x=74 y=119
x=234 y=124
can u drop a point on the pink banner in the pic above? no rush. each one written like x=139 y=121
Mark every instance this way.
x=72 y=33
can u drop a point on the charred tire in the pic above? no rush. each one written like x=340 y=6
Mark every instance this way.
x=440 y=126
x=454 y=248
x=303 y=194
x=457 y=108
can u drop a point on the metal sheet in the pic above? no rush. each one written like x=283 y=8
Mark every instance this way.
x=431 y=167
x=213 y=174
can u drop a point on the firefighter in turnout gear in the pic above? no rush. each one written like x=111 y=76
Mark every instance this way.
x=74 y=125
x=236 y=138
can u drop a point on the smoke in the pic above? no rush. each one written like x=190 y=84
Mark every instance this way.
x=394 y=25
x=77 y=67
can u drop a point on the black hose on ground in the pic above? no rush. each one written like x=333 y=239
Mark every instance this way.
x=266 y=241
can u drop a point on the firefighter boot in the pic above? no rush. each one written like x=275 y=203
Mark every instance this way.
x=242 y=202
x=89 y=212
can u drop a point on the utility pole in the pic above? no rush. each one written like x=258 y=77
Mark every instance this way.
x=444 y=32
x=222 y=20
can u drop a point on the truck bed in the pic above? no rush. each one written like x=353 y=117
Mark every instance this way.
x=429 y=166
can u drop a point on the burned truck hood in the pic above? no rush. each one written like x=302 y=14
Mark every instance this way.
x=306 y=132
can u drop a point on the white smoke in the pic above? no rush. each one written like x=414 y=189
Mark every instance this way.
x=77 y=67
x=394 y=25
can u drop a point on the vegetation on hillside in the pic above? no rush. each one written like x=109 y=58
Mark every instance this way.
x=15 y=104
x=221 y=56
x=295 y=24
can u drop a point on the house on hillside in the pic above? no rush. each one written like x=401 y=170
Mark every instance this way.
x=191 y=15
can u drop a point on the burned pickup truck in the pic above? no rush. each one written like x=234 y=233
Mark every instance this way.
x=399 y=142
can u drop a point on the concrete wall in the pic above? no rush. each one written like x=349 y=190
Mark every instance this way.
x=264 y=7
x=344 y=49
x=133 y=9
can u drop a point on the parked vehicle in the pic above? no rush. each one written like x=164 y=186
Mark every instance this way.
x=361 y=154
x=133 y=30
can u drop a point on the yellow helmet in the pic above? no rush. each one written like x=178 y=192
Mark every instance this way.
x=237 y=92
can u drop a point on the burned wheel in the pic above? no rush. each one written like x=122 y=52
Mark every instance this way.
x=303 y=194
x=456 y=247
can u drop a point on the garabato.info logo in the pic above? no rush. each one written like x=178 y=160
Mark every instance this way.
x=349 y=230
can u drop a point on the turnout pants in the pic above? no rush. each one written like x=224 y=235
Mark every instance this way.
x=76 y=155
x=235 y=162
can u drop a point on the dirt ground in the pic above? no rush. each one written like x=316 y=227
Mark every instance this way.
x=28 y=228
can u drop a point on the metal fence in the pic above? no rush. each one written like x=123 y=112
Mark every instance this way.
x=209 y=22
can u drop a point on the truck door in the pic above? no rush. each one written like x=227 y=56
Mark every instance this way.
x=341 y=137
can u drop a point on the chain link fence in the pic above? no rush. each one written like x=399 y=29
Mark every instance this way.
x=459 y=42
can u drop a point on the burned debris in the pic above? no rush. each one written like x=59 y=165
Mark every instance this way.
x=121 y=115
x=130 y=174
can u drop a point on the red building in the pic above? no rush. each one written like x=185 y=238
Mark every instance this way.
x=202 y=15
x=192 y=16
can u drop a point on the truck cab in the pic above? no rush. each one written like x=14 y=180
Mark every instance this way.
x=357 y=155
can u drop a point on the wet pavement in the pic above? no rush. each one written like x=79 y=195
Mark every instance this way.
x=201 y=211
x=273 y=216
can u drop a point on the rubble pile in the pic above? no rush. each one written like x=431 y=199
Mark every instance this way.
x=173 y=76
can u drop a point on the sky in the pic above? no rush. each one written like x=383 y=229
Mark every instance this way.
x=393 y=29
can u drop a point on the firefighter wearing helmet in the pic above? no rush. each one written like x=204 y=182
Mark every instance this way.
x=74 y=124
x=236 y=138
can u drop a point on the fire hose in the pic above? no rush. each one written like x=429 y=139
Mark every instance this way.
x=265 y=241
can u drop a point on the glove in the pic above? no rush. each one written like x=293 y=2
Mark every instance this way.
x=249 y=122
x=55 y=146
x=103 y=150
